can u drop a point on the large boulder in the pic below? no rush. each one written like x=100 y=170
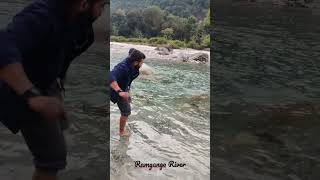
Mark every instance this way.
x=146 y=70
x=164 y=50
x=197 y=57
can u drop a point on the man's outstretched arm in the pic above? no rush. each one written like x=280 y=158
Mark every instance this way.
x=115 y=86
x=117 y=73
x=14 y=75
x=26 y=32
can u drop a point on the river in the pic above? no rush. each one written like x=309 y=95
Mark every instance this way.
x=169 y=122
x=266 y=84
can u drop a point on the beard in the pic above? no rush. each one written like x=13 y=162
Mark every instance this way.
x=137 y=67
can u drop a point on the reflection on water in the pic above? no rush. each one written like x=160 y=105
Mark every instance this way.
x=169 y=122
x=119 y=155
x=86 y=102
x=266 y=83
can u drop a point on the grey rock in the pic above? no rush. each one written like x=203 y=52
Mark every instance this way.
x=197 y=58
x=164 y=50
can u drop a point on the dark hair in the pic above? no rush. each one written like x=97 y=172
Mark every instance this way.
x=135 y=55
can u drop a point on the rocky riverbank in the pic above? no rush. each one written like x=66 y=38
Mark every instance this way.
x=164 y=53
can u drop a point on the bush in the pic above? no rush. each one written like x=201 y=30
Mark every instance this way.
x=167 y=33
x=144 y=40
x=206 y=42
x=136 y=40
x=192 y=44
x=176 y=44
x=118 y=39
x=157 y=40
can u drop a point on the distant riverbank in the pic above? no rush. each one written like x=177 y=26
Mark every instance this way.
x=151 y=52
x=161 y=41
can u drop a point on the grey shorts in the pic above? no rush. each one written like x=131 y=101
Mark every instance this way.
x=124 y=107
x=46 y=140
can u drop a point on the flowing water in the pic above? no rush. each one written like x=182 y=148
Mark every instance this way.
x=266 y=84
x=169 y=122
x=86 y=101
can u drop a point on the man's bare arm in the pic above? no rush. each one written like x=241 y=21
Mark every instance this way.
x=50 y=108
x=115 y=86
x=14 y=75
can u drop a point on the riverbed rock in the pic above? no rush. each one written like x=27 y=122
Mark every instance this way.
x=146 y=70
x=200 y=97
x=164 y=50
x=198 y=58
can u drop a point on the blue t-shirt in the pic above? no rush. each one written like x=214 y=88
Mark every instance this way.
x=124 y=73
x=40 y=38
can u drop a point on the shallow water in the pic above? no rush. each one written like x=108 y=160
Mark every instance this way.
x=86 y=102
x=169 y=122
x=266 y=84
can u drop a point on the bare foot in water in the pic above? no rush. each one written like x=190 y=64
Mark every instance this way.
x=125 y=133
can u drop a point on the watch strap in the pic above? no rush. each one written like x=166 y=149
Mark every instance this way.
x=119 y=91
x=32 y=92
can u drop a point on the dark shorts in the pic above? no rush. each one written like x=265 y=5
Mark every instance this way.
x=46 y=142
x=45 y=139
x=124 y=107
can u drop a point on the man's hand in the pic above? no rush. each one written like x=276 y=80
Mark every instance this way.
x=125 y=96
x=49 y=108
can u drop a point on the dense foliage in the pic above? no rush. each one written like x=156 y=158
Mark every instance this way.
x=177 y=23
x=182 y=8
x=160 y=25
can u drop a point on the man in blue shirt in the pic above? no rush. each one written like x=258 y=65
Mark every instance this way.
x=36 y=49
x=120 y=79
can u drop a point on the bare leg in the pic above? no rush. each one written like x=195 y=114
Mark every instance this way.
x=44 y=175
x=123 y=121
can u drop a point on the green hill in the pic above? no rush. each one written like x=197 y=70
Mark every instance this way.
x=182 y=8
x=176 y=23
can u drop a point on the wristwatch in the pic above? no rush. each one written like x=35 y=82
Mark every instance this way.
x=119 y=91
x=32 y=92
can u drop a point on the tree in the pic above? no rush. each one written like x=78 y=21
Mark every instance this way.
x=114 y=31
x=119 y=17
x=153 y=17
x=167 y=33
x=206 y=22
x=124 y=30
x=134 y=22
x=191 y=27
x=185 y=8
x=144 y=21
x=206 y=41
x=177 y=24
x=137 y=33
